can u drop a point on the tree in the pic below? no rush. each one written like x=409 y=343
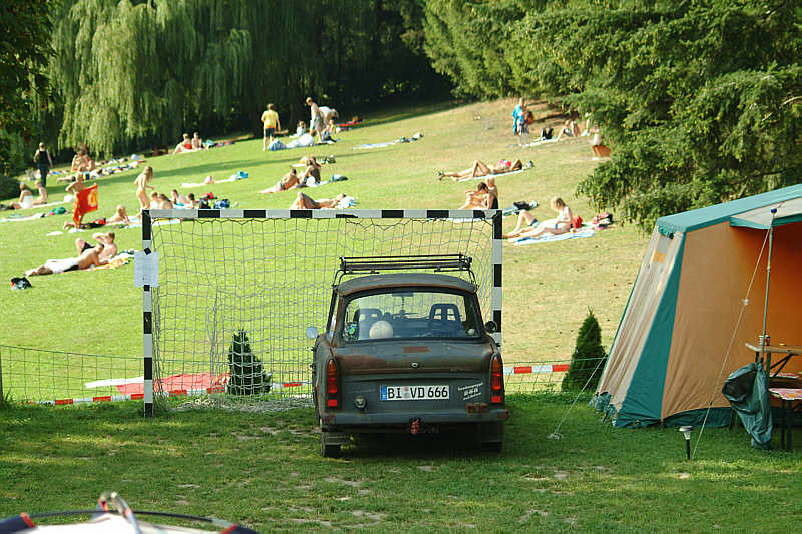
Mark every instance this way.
x=588 y=359
x=24 y=55
x=134 y=72
x=701 y=101
x=246 y=372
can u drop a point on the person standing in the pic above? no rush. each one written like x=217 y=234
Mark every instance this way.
x=518 y=116
x=316 y=117
x=43 y=162
x=271 y=125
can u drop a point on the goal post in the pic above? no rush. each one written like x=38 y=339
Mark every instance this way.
x=229 y=293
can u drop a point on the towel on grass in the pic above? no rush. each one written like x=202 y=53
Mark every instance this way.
x=117 y=261
x=239 y=175
x=493 y=175
x=414 y=137
x=536 y=143
x=584 y=232
x=19 y=218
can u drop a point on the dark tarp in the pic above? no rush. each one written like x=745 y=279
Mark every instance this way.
x=747 y=389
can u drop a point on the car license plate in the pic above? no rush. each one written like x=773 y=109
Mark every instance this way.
x=401 y=393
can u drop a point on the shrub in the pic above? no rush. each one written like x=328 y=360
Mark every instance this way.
x=247 y=376
x=588 y=355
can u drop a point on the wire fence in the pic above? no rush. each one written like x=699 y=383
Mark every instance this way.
x=37 y=376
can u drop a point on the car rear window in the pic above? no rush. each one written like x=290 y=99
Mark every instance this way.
x=404 y=314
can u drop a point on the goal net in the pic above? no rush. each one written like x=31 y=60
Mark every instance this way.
x=229 y=294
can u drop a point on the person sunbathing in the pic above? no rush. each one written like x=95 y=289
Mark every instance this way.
x=178 y=199
x=184 y=146
x=312 y=170
x=305 y=202
x=289 y=181
x=25 y=199
x=120 y=216
x=477 y=199
x=197 y=142
x=559 y=225
x=481 y=169
x=84 y=261
x=106 y=239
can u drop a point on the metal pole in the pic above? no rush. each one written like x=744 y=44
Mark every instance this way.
x=766 y=357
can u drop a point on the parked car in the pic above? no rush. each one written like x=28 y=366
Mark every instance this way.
x=406 y=352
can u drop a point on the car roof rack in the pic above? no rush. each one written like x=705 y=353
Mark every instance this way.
x=430 y=262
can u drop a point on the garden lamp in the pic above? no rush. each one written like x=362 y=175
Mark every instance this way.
x=686 y=432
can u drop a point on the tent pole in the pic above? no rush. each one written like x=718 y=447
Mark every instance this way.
x=764 y=337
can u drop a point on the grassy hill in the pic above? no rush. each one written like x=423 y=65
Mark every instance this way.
x=547 y=287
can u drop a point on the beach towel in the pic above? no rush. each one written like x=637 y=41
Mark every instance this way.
x=347 y=202
x=52 y=203
x=233 y=178
x=410 y=139
x=85 y=202
x=538 y=142
x=117 y=261
x=185 y=382
x=584 y=232
x=493 y=175
x=19 y=218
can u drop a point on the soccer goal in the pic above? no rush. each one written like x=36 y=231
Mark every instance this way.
x=229 y=293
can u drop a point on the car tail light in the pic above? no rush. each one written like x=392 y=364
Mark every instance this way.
x=332 y=385
x=496 y=380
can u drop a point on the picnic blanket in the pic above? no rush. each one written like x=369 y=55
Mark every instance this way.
x=545 y=238
x=494 y=175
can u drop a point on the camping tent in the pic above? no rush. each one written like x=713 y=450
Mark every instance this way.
x=698 y=298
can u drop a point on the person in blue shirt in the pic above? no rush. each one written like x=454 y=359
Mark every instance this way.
x=518 y=116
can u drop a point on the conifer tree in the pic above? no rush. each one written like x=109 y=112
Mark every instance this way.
x=588 y=356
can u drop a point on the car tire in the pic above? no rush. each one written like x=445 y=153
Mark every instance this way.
x=491 y=437
x=329 y=451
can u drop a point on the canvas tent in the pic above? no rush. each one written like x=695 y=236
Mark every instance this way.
x=691 y=309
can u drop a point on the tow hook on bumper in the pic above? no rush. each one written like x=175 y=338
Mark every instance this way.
x=415 y=426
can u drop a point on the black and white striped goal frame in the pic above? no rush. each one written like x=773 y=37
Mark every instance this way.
x=189 y=214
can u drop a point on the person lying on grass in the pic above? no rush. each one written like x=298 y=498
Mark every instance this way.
x=26 y=199
x=84 y=261
x=481 y=169
x=120 y=216
x=105 y=239
x=289 y=181
x=305 y=202
x=482 y=198
x=527 y=226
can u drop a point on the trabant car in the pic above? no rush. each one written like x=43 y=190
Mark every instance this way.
x=406 y=352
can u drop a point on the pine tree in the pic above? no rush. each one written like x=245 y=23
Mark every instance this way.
x=247 y=375
x=589 y=356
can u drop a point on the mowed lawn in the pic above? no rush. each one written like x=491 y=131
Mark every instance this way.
x=265 y=471
x=548 y=288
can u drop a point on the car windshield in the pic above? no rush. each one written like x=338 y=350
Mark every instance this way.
x=397 y=314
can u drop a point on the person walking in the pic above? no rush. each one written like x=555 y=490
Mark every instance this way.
x=271 y=125
x=43 y=162
x=316 y=124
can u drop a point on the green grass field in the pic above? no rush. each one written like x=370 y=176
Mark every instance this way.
x=547 y=287
x=264 y=469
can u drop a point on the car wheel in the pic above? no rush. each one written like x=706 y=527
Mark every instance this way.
x=327 y=450
x=491 y=437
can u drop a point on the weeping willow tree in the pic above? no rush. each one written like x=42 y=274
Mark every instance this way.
x=132 y=71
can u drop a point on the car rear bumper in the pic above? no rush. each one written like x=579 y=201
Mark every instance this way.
x=360 y=419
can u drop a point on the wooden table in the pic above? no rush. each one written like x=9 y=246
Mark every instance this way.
x=788 y=350
x=788 y=396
